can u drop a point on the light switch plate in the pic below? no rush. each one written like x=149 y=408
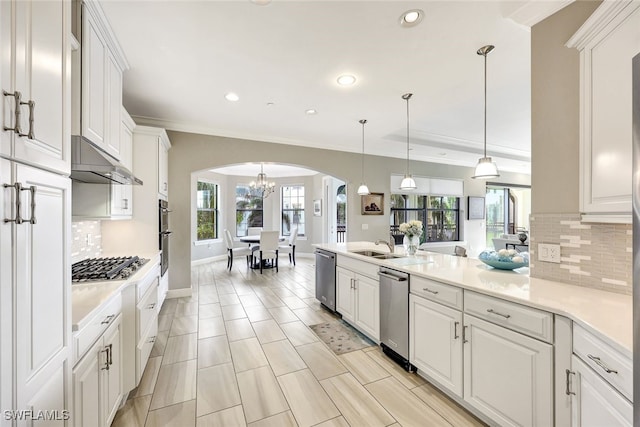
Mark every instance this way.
x=549 y=252
x=365 y=226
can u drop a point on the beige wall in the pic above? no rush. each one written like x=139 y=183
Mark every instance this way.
x=555 y=109
x=192 y=152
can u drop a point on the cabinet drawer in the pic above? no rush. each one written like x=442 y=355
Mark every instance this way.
x=530 y=321
x=144 y=347
x=357 y=266
x=84 y=338
x=609 y=363
x=147 y=309
x=149 y=280
x=436 y=291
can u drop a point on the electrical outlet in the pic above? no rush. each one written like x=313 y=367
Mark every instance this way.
x=549 y=252
x=365 y=226
x=89 y=239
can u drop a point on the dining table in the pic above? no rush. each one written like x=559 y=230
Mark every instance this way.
x=254 y=239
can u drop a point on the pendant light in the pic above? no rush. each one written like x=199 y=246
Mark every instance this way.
x=485 y=168
x=363 y=190
x=262 y=186
x=408 y=183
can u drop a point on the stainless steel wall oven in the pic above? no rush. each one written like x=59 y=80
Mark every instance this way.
x=164 y=234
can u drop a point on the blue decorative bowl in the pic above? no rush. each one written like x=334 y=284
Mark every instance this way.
x=494 y=260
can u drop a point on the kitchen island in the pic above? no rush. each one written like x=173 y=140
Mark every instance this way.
x=492 y=339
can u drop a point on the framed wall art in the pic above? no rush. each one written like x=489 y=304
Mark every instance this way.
x=317 y=207
x=475 y=208
x=372 y=204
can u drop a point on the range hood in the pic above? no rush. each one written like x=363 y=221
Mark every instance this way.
x=91 y=164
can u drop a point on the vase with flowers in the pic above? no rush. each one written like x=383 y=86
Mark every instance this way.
x=412 y=231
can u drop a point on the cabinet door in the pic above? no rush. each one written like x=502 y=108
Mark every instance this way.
x=6 y=286
x=6 y=78
x=86 y=387
x=94 y=56
x=163 y=169
x=368 y=305
x=112 y=378
x=345 y=304
x=126 y=140
x=435 y=341
x=42 y=277
x=595 y=402
x=507 y=375
x=114 y=106
x=42 y=75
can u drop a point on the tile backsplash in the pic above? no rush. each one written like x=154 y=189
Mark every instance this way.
x=596 y=255
x=86 y=240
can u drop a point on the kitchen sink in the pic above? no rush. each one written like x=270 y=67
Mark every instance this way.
x=376 y=254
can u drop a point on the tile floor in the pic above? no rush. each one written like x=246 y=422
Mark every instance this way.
x=239 y=352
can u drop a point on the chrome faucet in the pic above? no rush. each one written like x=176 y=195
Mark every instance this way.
x=389 y=245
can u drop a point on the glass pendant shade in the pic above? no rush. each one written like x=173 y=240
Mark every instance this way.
x=363 y=190
x=486 y=169
x=408 y=183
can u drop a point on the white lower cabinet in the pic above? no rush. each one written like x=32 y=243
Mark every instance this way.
x=507 y=375
x=595 y=403
x=435 y=342
x=97 y=380
x=358 y=301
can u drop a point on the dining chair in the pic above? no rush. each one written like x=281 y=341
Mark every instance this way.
x=268 y=247
x=460 y=251
x=254 y=231
x=234 y=252
x=290 y=248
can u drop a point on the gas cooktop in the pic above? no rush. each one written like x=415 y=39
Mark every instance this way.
x=101 y=269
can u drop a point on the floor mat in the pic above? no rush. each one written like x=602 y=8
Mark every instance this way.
x=341 y=337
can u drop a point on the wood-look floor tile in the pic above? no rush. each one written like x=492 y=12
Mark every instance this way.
x=209 y=310
x=231 y=312
x=247 y=354
x=133 y=413
x=322 y=362
x=211 y=327
x=335 y=422
x=226 y=290
x=184 y=325
x=164 y=322
x=180 y=348
x=186 y=309
x=283 y=314
x=355 y=403
x=243 y=289
x=239 y=329
x=313 y=317
x=309 y=402
x=217 y=389
x=149 y=377
x=179 y=415
x=284 y=419
x=160 y=344
x=261 y=394
x=298 y=333
x=213 y=351
x=403 y=405
x=257 y=313
x=270 y=301
x=229 y=299
x=313 y=303
x=231 y=417
x=169 y=306
x=176 y=383
x=293 y=302
x=409 y=380
x=364 y=368
x=282 y=292
x=250 y=300
x=282 y=357
x=208 y=298
x=268 y=331
x=450 y=410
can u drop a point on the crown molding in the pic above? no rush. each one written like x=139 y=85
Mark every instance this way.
x=532 y=12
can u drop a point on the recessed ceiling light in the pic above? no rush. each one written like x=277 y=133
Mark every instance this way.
x=270 y=104
x=311 y=112
x=233 y=97
x=411 y=17
x=346 y=80
x=442 y=153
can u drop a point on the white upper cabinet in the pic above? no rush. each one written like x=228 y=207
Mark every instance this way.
x=35 y=80
x=607 y=42
x=163 y=168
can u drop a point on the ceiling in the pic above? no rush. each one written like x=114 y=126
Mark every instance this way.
x=186 y=55
x=272 y=170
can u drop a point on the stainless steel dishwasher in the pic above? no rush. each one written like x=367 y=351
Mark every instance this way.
x=326 y=278
x=394 y=316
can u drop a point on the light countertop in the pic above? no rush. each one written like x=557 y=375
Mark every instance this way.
x=87 y=298
x=605 y=313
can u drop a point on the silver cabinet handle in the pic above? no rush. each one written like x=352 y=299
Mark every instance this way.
x=18 y=187
x=32 y=107
x=464 y=334
x=430 y=291
x=110 y=354
x=32 y=189
x=106 y=356
x=17 y=101
x=152 y=339
x=165 y=186
x=323 y=255
x=491 y=310
x=125 y=203
x=601 y=364
x=455 y=330
x=108 y=319
x=392 y=277
x=568 y=391
x=151 y=306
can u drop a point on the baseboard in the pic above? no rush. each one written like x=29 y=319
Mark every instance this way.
x=208 y=260
x=179 y=293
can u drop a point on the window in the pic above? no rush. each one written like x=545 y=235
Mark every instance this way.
x=208 y=214
x=248 y=209
x=440 y=216
x=292 y=209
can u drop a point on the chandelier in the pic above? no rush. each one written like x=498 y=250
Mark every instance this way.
x=262 y=186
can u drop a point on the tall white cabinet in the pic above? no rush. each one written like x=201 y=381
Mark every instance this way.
x=35 y=199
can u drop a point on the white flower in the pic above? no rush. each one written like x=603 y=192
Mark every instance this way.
x=411 y=228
